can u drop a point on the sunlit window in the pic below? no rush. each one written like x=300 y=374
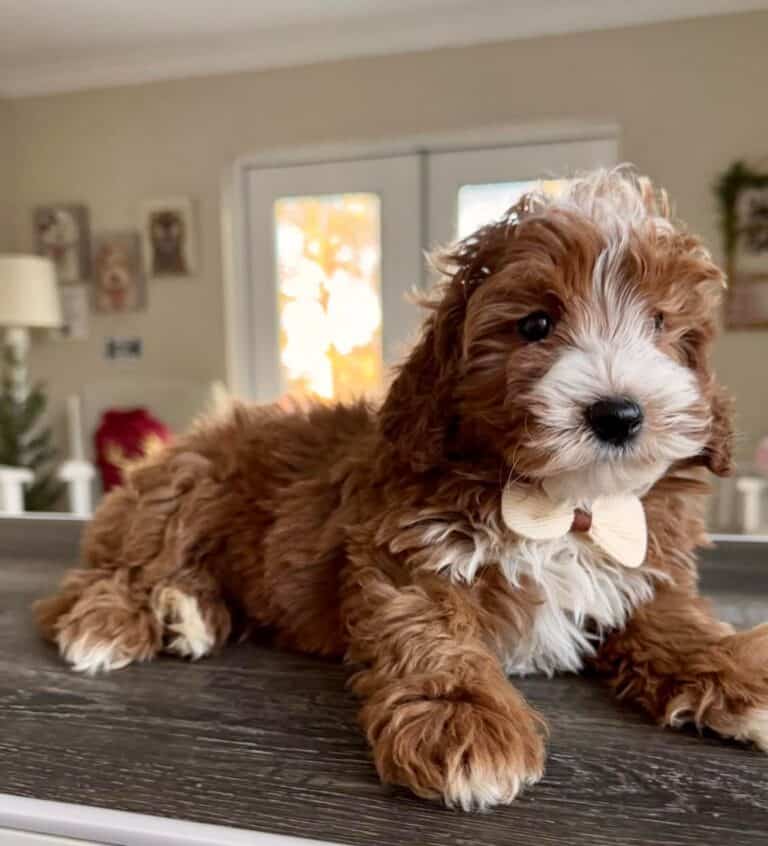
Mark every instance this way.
x=480 y=204
x=329 y=284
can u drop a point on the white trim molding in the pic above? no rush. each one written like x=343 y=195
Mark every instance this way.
x=345 y=36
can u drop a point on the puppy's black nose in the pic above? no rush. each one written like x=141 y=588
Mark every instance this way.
x=615 y=421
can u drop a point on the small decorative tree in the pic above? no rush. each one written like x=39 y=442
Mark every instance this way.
x=24 y=440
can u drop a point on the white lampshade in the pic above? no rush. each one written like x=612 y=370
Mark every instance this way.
x=28 y=293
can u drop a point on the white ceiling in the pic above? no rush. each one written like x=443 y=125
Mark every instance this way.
x=52 y=45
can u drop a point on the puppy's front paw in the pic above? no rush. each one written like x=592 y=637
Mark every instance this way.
x=744 y=682
x=752 y=727
x=470 y=755
x=734 y=700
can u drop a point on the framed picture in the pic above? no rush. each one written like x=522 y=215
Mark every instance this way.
x=752 y=231
x=169 y=237
x=62 y=234
x=743 y=196
x=119 y=284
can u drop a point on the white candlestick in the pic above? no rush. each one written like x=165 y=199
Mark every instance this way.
x=74 y=422
x=12 y=481
x=78 y=475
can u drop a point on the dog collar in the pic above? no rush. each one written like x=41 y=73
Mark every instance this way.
x=615 y=524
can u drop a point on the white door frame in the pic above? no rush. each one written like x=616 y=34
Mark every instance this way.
x=238 y=296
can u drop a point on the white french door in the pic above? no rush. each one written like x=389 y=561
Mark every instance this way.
x=331 y=249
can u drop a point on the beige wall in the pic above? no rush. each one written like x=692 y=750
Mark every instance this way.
x=689 y=98
x=7 y=179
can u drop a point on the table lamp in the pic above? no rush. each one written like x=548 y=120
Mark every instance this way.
x=29 y=299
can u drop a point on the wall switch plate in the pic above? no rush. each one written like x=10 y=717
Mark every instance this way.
x=123 y=348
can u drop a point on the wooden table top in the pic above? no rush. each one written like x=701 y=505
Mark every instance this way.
x=264 y=740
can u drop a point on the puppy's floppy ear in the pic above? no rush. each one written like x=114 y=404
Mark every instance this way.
x=704 y=284
x=418 y=409
x=717 y=454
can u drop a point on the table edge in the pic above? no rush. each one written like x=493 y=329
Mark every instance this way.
x=124 y=828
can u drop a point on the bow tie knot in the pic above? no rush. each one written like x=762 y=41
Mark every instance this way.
x=615 y=524
x=582 y=520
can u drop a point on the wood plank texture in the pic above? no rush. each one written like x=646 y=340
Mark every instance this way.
x=56 y=537
x=266 y=740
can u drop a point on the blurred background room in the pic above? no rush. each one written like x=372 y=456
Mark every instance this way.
x=235 y=199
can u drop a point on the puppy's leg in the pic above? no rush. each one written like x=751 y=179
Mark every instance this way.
x=99 y=621
x=193 y=616
x=682 y=665
x=439 y=713
x=104 y=620
x=150 y=584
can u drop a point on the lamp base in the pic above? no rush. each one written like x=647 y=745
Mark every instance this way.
x=15 y=349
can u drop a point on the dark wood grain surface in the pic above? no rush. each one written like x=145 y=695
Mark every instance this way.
x=264 y=740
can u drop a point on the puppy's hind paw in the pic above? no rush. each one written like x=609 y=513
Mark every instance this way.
x=92 y=655
x=100 y=639
x=98 y=622
x=187 y=633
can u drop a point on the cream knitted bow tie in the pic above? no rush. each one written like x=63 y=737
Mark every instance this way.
x=616 y=524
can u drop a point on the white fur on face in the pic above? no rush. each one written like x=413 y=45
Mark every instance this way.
x=612 y=354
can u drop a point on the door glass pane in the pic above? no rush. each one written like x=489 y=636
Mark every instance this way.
x=328 y=251
x=480 y=204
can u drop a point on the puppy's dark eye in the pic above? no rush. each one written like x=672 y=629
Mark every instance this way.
x=535 y=326
x=658 y=321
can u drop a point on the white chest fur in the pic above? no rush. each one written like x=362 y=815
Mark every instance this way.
x=584 y=592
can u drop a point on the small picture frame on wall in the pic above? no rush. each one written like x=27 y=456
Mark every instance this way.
x=62 y=234
x=743 y=197
x=169 y=237
x=119 y=283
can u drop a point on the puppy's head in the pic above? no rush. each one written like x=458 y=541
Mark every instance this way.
x=570 y=340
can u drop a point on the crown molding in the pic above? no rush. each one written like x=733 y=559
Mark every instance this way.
x=474 y=22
